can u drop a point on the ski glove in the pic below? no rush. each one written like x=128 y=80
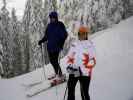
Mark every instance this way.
x=72 y=70
x=40 y=42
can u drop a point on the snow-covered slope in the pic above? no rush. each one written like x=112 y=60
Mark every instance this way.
x=112 y=77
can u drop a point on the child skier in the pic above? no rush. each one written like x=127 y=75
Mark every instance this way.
x=80 y=62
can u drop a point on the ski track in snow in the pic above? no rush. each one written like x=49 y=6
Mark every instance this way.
x=112 y=77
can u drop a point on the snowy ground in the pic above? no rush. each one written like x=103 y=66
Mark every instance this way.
x=112 y=76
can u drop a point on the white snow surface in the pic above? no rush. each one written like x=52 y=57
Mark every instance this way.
x=112 y=77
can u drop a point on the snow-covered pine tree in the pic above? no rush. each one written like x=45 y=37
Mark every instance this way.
x=6 y=40
x=47 y=8
x=128 y=8
x=1 y=60
x=54 y=5
x=25 y=43
x=36 y=29
x=17 y=59
x=96 y=14
x=34 y=19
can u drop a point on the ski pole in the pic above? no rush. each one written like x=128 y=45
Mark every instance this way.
x=56 y=88
x=65 y=92
x=43 y=61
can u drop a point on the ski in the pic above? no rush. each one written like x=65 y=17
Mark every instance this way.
x=31 y=84
x=43 y=87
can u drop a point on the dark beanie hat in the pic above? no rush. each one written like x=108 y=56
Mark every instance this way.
x=53 y=14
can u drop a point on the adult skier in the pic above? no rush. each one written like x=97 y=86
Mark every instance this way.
x=55 y=35
x=80 y=62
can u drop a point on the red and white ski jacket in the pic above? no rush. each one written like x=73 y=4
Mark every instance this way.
x=82 y=55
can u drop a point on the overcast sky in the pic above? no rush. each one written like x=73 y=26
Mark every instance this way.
x=19 y=5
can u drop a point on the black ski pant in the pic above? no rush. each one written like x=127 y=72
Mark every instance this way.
x=53 y=57
x=84 y=87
